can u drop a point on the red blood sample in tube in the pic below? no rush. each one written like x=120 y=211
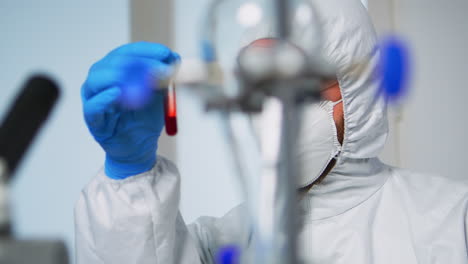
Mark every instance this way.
x=170 y=111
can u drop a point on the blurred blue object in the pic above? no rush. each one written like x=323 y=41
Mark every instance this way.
x=208 y=52
x=229 y=255
x=394 y=68
x=136 y=85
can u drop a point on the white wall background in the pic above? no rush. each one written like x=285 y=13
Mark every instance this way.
x=435 y=125
x=430 y=135
x=62 y=38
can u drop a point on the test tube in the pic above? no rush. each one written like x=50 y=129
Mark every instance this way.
x=170 y=110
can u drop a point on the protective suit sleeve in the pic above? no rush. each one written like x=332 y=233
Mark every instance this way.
x=212 y=234
x=135 y=220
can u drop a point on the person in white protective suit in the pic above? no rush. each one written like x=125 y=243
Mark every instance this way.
x=357 y=210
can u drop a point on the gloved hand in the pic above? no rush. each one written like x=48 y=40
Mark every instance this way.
x=123 y=113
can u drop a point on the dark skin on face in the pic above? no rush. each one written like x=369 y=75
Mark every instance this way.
x=330 y=92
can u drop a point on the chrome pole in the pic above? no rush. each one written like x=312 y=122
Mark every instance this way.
x=275 y=224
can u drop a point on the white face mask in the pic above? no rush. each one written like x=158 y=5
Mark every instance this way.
x=317 y=142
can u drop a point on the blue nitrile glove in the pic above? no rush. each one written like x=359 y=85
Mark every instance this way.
x=122 y=111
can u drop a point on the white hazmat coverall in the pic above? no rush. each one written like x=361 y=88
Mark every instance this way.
x=363 y=212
